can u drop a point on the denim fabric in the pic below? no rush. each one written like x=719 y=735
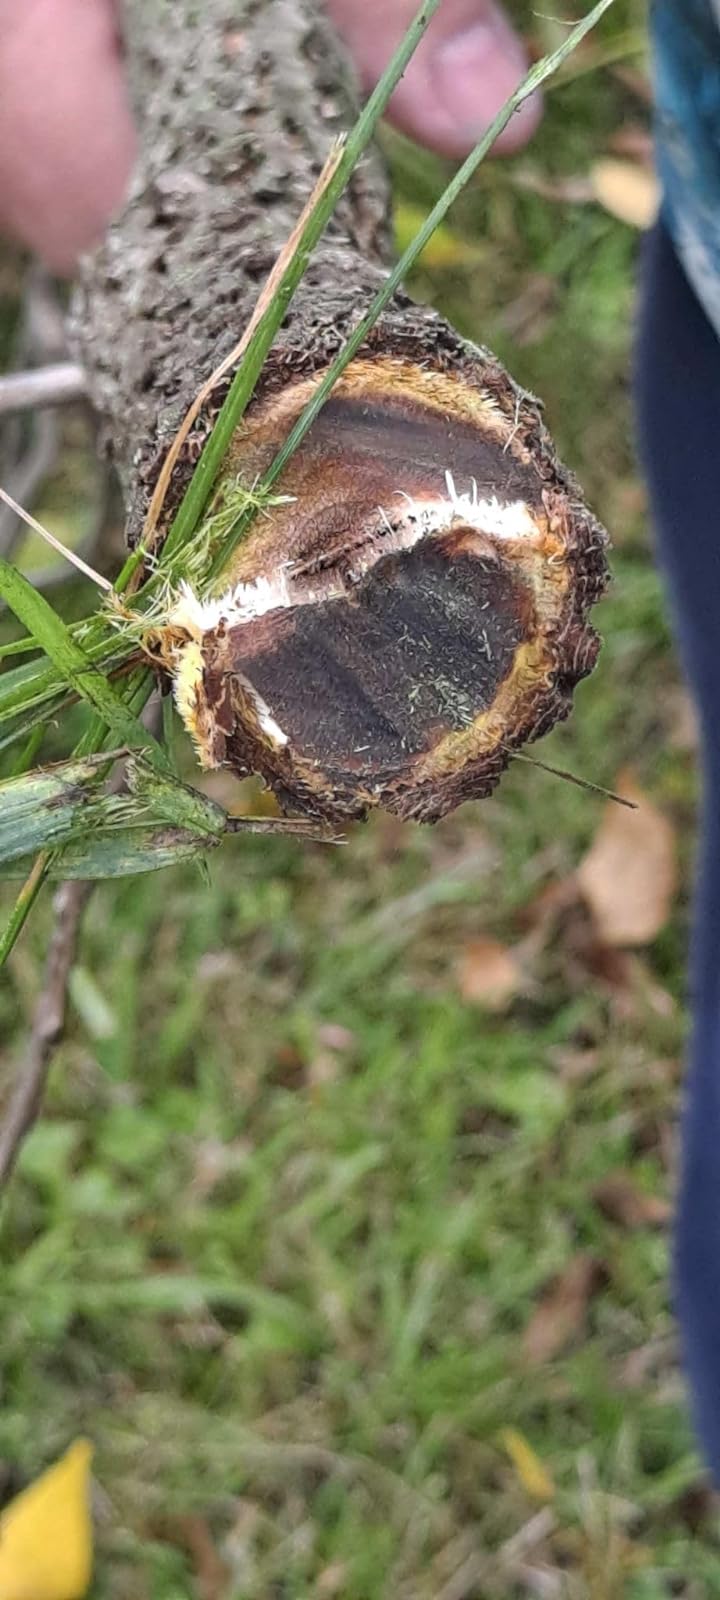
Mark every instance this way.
x=686 y=48
x=678 y=409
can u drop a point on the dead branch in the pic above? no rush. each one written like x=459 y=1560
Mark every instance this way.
x=48 y=1024
x=42 y=386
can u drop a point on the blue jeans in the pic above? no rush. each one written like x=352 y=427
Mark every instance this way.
x=678 y=408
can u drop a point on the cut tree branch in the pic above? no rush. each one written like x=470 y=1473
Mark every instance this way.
x=417 y=608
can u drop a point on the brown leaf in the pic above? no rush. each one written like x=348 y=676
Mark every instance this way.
x=633 y=139
x=191 y=1533
x=696 y=1506
x=621 y=1201
x=631 y=985
x=628 y=876
x=628 y=190
x=561 y=1313
x=635 y=81
x=488 y=974
x=576 y=1065
x=332 y=1580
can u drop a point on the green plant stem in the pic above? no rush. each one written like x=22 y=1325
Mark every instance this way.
x=29 y=751
x=71 y=661
x=24 y=904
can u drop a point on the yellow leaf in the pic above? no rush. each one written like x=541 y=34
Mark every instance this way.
x=534 y=1477
x=444 y=250
x=629 y=190
x=46 y=1533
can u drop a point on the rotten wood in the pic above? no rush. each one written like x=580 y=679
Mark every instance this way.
x=421 y=608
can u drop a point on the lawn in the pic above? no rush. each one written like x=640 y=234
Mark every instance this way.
x=344 y=1234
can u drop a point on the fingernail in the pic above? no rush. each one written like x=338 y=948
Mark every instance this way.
x=472 y=74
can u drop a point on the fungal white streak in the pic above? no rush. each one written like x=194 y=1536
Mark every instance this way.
x=266 y=720
x=242 y=604
x=512 y=520
x=405 y=524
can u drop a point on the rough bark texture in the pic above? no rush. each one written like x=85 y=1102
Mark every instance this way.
x=382 y=697
x=238 y=103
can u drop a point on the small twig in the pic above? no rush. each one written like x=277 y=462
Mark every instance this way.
x=468 y=1577
x=42 y=386
x=98 y=539
x=70 y=555
x=572 y=777
x=49 y=1016
x=47 y=1027
x=299 y=827
x=539 y=1527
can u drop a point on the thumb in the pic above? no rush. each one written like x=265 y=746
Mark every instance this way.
x=66 y=139
x=465 y=67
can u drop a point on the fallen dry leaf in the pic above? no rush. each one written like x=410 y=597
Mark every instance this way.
x=633 y=139
x=621 y=1201
x=696 y=1506
x=629 y=873
x=631 y=986
x=488 y=974
x=628 y=190
x=561 y=1313
x=191 y=1533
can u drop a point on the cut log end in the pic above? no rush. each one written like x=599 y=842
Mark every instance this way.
x=415 y=613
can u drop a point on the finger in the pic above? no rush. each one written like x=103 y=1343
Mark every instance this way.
x=66 y=136
x=465 y=67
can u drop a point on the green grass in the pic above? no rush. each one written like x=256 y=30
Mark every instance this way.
x=276 y=1242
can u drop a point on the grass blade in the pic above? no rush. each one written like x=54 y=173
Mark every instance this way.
x=74 y=665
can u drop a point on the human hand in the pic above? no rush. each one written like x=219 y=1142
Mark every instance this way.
x=66 y=136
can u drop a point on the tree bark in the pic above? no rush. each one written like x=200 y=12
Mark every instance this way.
x=433 y=574
x=237 y=103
